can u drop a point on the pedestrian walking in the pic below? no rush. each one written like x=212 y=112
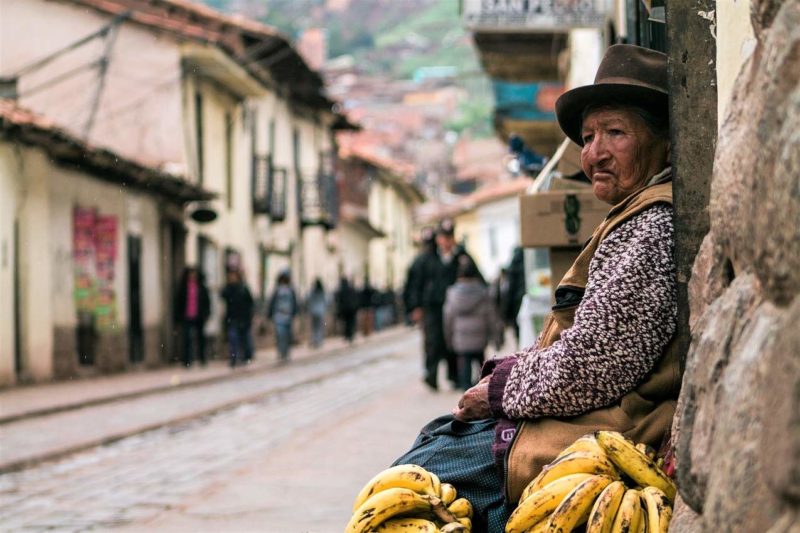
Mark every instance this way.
x=282 y=310
x=411 y=304
x=367 y=299
x=498 y=295
x=192 y=307
x=515 y=291
x=238 y=318
x=347 y=304
x=469 y=322
x=434 y=271
x=317 y=306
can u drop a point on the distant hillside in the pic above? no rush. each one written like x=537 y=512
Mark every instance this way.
x=392 y=38
x=386 y=36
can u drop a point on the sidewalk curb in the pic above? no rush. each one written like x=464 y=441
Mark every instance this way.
x=230 y=374
x=22 y=464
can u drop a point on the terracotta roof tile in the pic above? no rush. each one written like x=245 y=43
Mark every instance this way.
x=21 y=125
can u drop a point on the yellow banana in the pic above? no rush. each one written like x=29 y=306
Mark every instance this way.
x=541 y=527
x=461 y=508
x=541 y=503
x=388 y=504
x=407 y=525
x=605 y=508
x=634 y=463
x=657 y=509
x=642 y=520
x=448 y=493
x=454 y=527
x=411 y=477
x=466 y=522
x=629 y=513
x=647 y=450
x=580 y=462
x=437 y=484
x=587 y=443
x=574 y=509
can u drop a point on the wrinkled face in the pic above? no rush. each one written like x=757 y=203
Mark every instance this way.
x=620 y=153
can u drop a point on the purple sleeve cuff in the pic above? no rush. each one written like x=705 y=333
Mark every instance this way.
x=497 y=384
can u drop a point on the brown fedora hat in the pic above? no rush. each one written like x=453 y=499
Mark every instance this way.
x=627 y=75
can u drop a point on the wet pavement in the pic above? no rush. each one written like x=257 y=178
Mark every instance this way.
x=283 y=450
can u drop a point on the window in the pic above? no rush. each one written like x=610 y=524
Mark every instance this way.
x=229 y=159
x=198 y=124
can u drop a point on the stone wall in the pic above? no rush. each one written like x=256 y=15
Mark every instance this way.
x=738 y=422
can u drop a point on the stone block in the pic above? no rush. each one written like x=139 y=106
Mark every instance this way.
x=684 y=519
x=708 y=358
x=737 y=495
x=780 y=442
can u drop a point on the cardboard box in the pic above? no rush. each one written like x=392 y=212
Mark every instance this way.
x=560 y=218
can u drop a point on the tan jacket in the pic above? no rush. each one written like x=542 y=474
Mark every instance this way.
x=644 y=414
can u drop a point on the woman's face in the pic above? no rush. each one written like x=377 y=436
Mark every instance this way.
x=620 y=153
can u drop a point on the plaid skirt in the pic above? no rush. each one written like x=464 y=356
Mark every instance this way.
x=460 y=453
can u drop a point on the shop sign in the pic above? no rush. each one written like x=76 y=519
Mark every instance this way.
x=534 y=15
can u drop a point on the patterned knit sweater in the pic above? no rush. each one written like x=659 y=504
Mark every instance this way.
x=627 y=316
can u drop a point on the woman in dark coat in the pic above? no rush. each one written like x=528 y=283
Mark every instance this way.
x=192 y=307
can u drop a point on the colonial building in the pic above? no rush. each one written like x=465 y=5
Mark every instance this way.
x=86 y=253
x=226 y=103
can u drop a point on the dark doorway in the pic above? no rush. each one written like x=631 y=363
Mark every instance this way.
x=135 y=329
x=17 y=304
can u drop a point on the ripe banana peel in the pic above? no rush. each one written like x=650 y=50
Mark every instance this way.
x=454 y=527
x=574 y=509
x=629 y=514
x=410 y=477
x=448 y=493
x=387 y=504
x=578 y=462
x=647 y=450
x=634 y=463
x=461 y=508
x=542 y=502
x=657 y=509
x=407 y=525
x=586 y=443
x=601 y=517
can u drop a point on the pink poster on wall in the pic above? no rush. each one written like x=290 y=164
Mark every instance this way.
x=94 y=255
x=105 y=252
x=83 y=220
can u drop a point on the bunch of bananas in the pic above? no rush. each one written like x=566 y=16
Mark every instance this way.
x=408 y=498
x=602 y=480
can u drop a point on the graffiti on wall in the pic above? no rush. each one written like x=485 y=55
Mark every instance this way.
x=94 y=256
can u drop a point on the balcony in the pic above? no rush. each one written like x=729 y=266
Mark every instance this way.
x=268 y=188
x=318 y=199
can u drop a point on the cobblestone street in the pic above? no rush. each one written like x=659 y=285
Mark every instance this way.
x=291 y=460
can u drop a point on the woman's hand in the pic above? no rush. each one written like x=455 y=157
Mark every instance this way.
x=474 y=404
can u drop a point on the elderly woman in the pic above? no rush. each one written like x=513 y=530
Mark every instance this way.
x=602 y=360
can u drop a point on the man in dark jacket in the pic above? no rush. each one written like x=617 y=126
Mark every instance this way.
x=434 y=271
x=192 y=307
x=238 y=318
x=516 y=290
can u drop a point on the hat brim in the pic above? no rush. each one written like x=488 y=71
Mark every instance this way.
x=570 y=105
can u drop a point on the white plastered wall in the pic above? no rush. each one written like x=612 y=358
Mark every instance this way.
x=139 y=108
x=9 y=204
x=735 y=44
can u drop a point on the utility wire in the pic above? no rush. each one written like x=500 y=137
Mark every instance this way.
x=36 y=65
x=62 y=77
x=101 y=82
